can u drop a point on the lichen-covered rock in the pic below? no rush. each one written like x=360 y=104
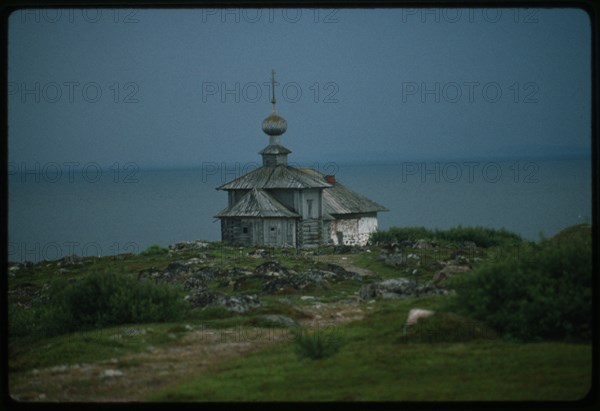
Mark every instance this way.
x=341 y=273
x=422 y=244
x=188 y=245
x=397 y=288
x=270 y=268
x=240 y=303
x=395 y=259
x=192 y=283
x=201 y=298
x=189 y=272
x=260 y=253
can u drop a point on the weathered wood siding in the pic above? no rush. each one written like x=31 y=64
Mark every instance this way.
x=259 y=231
x=311 y=232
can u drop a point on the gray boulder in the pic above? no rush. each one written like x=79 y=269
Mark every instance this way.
x=260 y=253
x=341 y=273
x=395 y=259
x=270 y=268
x=240 y=303
x=422 y=244
x=397 y=288
x=192 y=283
x=201 y=298
x=293 y=281
x=188 y=245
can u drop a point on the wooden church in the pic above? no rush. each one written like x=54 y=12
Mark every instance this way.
x=281 y=205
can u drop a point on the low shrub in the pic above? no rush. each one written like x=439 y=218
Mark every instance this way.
x=481 y=236
x=543 y=291
x=316 y=344
x=399 y=234
x=22 y=321
x=97 y=300
x=154 y=249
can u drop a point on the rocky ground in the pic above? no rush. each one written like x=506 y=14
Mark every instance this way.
x=133 y=376
x=316 y=281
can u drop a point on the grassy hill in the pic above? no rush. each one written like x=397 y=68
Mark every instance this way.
x=311 y=340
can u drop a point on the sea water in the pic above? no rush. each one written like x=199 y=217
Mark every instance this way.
x=55 y=213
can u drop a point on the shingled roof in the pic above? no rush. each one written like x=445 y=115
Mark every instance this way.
x=338 y=199
x=341 y=200
x=280 y=176
x=257 y=203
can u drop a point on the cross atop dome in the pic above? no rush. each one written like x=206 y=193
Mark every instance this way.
x=273 y=88
x=274 y=125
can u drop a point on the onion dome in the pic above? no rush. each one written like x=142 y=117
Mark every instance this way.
x=274 y=125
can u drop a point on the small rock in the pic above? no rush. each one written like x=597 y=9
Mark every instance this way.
x=422 y=244
x=259 y=254
x=416 y=314
x=270 y=268
x=395 y=260
x=130 y=332
x=240 y=303
x=188 y=245
x=280 y=319
x=397 y=288
x=59 y=368
x=469 y=244
x=112 y=373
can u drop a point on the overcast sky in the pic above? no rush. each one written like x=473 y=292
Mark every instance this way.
x=176 y=88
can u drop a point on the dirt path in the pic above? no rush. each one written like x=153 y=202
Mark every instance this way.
x=133 y=376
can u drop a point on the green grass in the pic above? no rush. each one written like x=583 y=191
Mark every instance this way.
x=88 y=346
x=373 y=364
x=377 y=359
x=388 y=372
